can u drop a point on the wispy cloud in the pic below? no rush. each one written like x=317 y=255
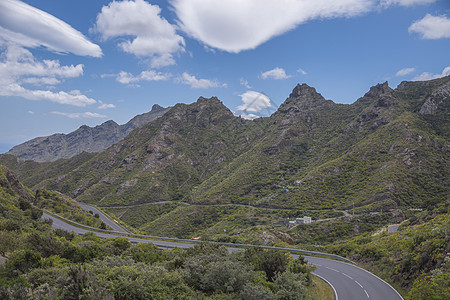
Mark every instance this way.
x=28 y=26
x=83 y=115
x=128 y=78
x=301 y=71
x=244 y=82
x=105 y=105
x=432 y=27
x=405 y=71
x=57 y=97
x=428 y=76
x=142 y=31
x=387 y=3
x=277 y=73
x=196 y=83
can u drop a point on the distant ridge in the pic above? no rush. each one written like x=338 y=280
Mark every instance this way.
x=85 y=138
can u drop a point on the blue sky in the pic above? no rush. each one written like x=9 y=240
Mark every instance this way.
x=68 y=63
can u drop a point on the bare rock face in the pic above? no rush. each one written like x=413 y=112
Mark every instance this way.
x=85 y=138
x=436 y=99
x=17 y=187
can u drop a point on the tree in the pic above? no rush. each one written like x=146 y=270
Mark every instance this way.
x=121 y=244
x=270 y=262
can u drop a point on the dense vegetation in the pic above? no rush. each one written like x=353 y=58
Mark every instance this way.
x=43 y=263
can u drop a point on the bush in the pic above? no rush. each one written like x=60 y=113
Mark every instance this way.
x=288 y=285
x=270 y=262
x=21 y=261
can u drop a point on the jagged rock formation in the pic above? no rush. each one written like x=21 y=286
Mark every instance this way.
x=380 y=152
x=85 y=138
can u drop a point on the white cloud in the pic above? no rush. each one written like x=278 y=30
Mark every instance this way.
x=405 y=71
x=301 y=71
x=105 y=105
x=195 y=83
x=236 y=25
x=253 y=102
x=277 y=73
x=432 y=27
x=244 y=82
x=151 y=35
x=28 y=26
x=248 y=116
x=428 y=76
x=58 y=97
x=84 y=115
x=19 y=67
x=127 y=78
x=20 y=63
x=386 y=3
x=31 y=112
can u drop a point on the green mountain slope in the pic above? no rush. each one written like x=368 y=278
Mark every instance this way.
x=388 y=149
x=160 y=161
x=378 y=152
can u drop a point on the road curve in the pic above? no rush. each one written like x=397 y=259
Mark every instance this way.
x=59 y=224
x=352 y=282
x=349 y=282
x=113 y=225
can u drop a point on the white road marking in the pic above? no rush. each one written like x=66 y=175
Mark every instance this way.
x=359 y=284
x=329 y=283
x=347 y=275
x=367 y=294
x=333 y=269
x=353 y=265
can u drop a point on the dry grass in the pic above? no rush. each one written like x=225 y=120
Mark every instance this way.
x=321 y=290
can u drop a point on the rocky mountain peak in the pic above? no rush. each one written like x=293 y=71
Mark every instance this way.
x=157 y=107
x=108 y=124
x=379 y=89
x=302 y=99
x=212 y=100
x=305 y=92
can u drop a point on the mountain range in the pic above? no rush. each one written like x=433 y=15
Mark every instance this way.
x=85 y=138
x=390 y=148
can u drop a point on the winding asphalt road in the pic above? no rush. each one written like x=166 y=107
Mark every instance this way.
x=349 y=282
x=113 y=225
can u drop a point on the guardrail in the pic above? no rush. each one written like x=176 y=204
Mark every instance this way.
x=235 y=245
x=106 y=216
